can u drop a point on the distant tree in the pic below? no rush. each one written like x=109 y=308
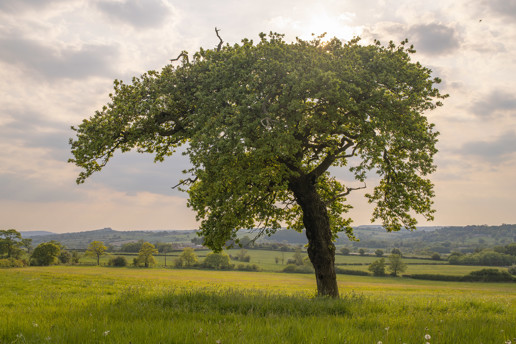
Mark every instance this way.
x=96 y=249
x=298 y=257
x=145 y=255
x=396 y=264
x=377 y=267
x=46 y=253
x=163 y=247
x=65 y=257
x=187 y=258
x=436 y=256
x=396 y=251
x=131 y=246
x=10 y=243
x=246 y=241
x=243 y=256
x=218 y=261
x=27 y=244
x=75 y=257
x=379 y=253
x=345 y=251
x=361 y=252
x=118 y=261
x=198 y=240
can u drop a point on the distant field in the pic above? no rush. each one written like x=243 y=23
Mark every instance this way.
x=79 y=304
x=266 y=260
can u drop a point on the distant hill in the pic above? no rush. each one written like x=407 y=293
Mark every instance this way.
x=426 y=239
x=30 y=234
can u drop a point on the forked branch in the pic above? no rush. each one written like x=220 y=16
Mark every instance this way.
x=221 y=41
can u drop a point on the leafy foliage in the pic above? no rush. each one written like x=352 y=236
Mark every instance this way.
x=45 y=254
x=378 y=267
x=187 y=258
x=217 y=261
x=10 y=243
x=96 y=249
x=145 y=255
x=396 y=264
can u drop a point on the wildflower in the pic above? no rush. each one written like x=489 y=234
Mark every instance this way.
x=34 y=324
x=106 y=333
x=379 y=342
x=427 y=336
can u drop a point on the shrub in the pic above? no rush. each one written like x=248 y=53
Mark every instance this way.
x=45 y=254
x=65 y=257
x=118 y=261
x=248 y=267
x=12 y=263
x=489 y=275
x=351 y=272
x=436 y=256
x=217 y=261
x=512 y=270
x=436 y=277
x=187 y=258
x=301 y=269
x=377 y=267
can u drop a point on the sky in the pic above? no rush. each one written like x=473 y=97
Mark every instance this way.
x=58 y=60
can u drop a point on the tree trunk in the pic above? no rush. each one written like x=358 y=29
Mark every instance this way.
x=321 y=249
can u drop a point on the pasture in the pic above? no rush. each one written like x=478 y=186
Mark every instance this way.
x=78 y=304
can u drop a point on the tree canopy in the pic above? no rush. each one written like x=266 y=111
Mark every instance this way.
x=262 y=124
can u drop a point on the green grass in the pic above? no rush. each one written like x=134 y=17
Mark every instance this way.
x=120 y=305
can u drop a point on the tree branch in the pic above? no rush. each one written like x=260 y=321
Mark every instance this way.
x=345 y=193
x=221 y=41
x=188 y=181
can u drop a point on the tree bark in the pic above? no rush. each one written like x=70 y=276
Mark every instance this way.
x=321 y=249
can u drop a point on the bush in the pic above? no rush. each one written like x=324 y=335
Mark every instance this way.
x=248 y=267
x=351 y=272
x=65 y=257
x=436 y=277
x=377 y=267
x=45 y=254
x=217 y=261
x=436 y=256
x=300 y=269
x=512 y=270
x=485 y=257
x=12 y=263
x=488 y=275
x=118 y=261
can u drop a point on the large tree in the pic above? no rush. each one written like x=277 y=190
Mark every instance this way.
x=262 y=124
x=10 y=243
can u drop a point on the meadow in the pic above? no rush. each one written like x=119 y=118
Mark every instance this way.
x=82 y=304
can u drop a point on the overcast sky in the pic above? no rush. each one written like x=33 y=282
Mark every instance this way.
x=58 y=60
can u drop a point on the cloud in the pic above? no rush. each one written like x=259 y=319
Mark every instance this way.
x=506 y=8
x=12 y=6
x=54 y=62
x=496 y=151
x=137 y=13
x=496 y=102
x=434 y=39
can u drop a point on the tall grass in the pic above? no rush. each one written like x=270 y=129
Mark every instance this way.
x=110 y=305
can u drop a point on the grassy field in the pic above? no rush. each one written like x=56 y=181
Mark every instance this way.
x=266 y=260
x=78 y=304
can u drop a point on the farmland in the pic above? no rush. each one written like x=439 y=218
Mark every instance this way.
x=72 y=304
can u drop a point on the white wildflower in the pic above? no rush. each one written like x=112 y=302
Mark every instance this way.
x=427 y=337
x=106 y=333
x=34 y=324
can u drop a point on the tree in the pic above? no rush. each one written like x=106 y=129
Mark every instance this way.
x=377 y=267
x=216 y=260
x=396 y=251
x=145 y=255
x=65 y=257
x=345 y=251
x=10 y=243
x=45 y=254
x=361 y=252
x=263 y=124
x=187 y=257
x=379 y=253
x=27 y=244
x=96 y=249
x=396 y=264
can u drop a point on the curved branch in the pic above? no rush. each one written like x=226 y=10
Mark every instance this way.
x=221 y=41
